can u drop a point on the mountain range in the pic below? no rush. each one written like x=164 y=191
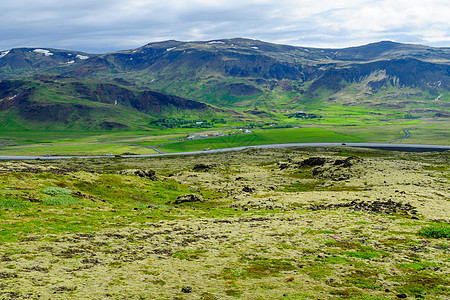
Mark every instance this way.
x=243 y=79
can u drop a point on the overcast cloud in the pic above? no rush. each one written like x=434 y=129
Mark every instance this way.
x=108 y=25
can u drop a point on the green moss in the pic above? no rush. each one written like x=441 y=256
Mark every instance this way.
x=345 y=293
x=423 y=282
x=362 y=278
x=364 y=254
x=419 y=266
x=317 y=269
x=367 y=297
x=257 y=267
x=189 y=254
x=208 y=296
x=233 y=292
x=314 y=232
x=333 y=260
x=61 y=200
x=13 y=204
x=158 y=282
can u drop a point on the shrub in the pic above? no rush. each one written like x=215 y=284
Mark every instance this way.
x=436 y=231
x=56 y=191
x=61 y=196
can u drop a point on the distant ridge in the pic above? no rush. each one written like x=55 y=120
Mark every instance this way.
x=251 y=77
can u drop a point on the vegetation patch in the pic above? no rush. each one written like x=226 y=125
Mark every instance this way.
x=189 y=254
x=363 y=279
x=98 y=227
x=423 y=282
x=56 y=191
x=436 y=231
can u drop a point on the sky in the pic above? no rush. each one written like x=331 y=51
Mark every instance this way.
x=100 y=26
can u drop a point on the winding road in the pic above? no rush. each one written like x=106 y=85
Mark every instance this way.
x=407 y=135
x=381 y=146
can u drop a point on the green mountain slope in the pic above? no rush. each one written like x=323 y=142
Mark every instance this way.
x=248 y=73
x=56 y=103
x=253 y=77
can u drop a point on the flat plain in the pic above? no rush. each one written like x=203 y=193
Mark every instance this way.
x=325 y=223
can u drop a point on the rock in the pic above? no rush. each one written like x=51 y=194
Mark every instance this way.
x=150 y=174
x=315 y=172
x=5 y=258
x=186 y=289
x=313 y=162
x=188 y=198
x=344 y=162
x=34 y=200
x=4 y=275
x=402 y=296
x=248 y=189
x=203 y=167
x=282 y=165
x=387 y=207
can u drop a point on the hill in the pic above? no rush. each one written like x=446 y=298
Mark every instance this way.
x=57 y=102
x=247 y=79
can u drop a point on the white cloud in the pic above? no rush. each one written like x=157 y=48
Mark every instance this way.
x=107 y=25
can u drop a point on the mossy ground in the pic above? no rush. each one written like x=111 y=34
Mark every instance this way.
x=271 y=226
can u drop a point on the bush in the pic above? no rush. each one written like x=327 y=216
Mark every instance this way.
x=61 y=196
x=436 y=231
x=56 y=191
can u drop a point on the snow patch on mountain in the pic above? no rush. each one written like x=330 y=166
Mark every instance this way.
x=170 y=49
x=4 y=53
x=43 y=51
x=215 y=42
x=82 y=56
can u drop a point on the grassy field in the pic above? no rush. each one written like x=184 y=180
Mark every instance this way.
x=262 y=137
x=136 y=142
x=333 y=123
x=430 y=134
x=83 y=142
x=261 y=224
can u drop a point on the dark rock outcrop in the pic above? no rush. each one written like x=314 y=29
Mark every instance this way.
x=313 y=162
x=188 y=198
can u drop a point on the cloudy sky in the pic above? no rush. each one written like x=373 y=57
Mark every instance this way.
x=107 y=25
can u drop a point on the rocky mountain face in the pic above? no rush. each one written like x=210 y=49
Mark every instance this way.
x=405 y=65
x=241 y=58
